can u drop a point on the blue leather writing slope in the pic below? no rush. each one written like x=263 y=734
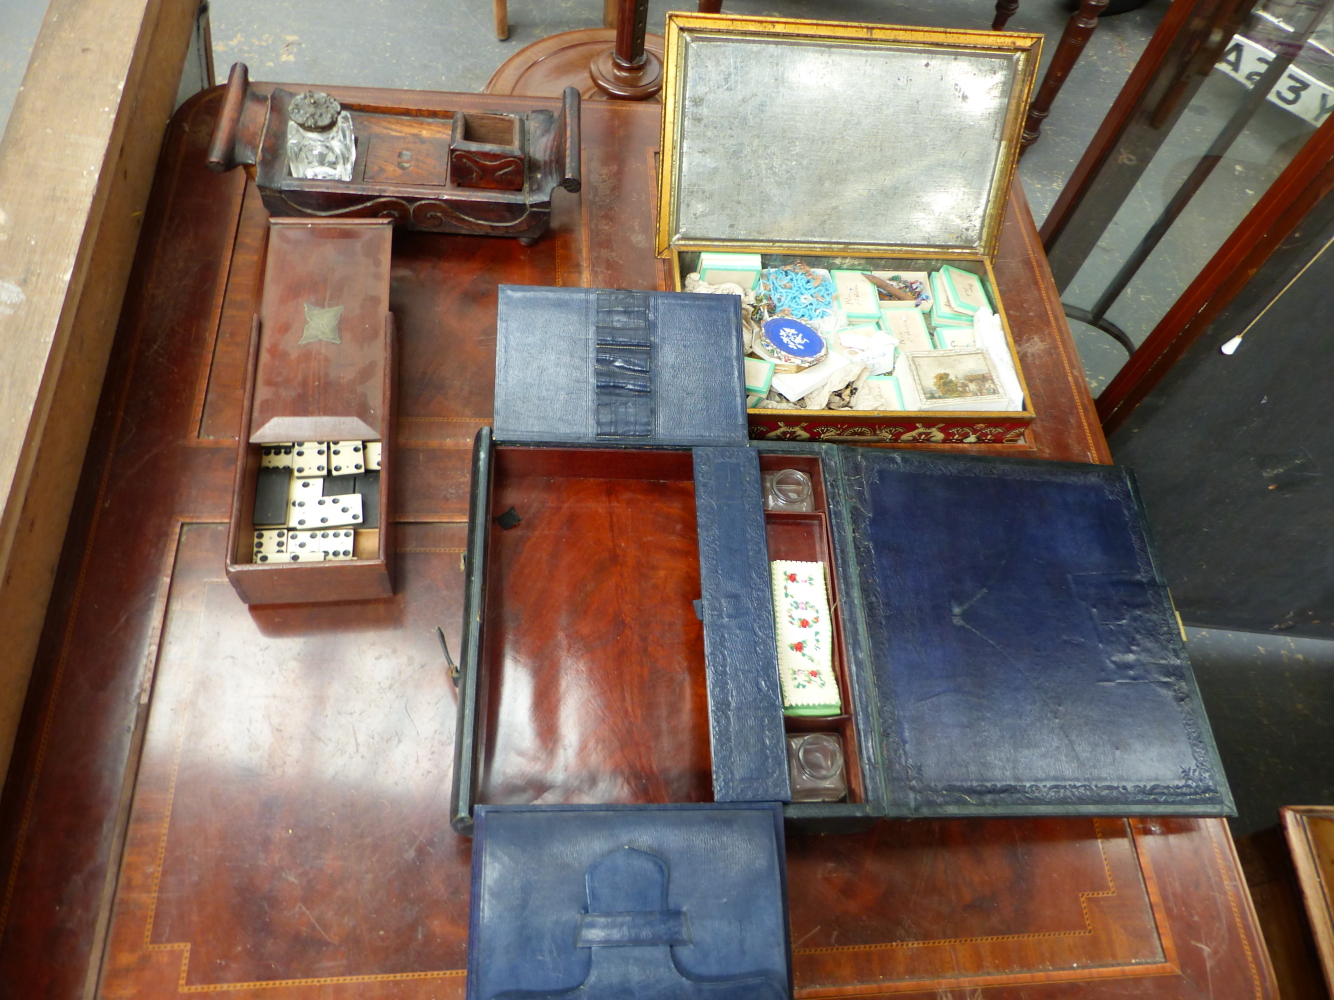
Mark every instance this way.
x=600 y=366
x=617 y=902
x=747 y=741
x=1026 y=655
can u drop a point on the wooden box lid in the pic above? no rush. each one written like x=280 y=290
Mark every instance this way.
x=322 y=332
x=806 y=137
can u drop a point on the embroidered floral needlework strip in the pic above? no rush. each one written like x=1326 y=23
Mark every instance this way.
x=805 y=638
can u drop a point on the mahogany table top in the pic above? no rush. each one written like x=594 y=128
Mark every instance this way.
x=253 y=802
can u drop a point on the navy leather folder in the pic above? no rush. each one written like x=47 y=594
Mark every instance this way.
x=1025 y=655
x=602 y=366
x=615 y=902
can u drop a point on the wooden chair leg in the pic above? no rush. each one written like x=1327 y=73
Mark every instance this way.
x=609 y=13
x=1077 y=32
x=501 y=9
x=1005 y=9
x=710 y=6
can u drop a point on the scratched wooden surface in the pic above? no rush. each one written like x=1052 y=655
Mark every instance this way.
x=278 y=778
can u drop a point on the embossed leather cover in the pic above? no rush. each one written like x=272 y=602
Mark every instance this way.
x=1026 y=655
x=588 y=365
x=740 y=659
x=614 y=902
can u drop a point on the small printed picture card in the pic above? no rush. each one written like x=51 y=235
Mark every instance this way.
x=309 y=458
x=955 y=379
x=346 y=458
x=805 y=639
x=965 y=290
x=860 y=299
x=276 y=456
x=372 y=455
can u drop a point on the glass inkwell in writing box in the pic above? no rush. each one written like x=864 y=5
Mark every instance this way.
x=850 y=180
x=445 y=171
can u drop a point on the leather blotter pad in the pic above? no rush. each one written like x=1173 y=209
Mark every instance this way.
x=595 y=366
x=611 y=902
x=1027 y=657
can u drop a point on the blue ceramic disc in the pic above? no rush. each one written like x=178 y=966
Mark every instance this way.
x=793 y=338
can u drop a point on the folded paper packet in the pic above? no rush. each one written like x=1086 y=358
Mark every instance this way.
x=871 y=346
x=805 y=639
x=796 y=385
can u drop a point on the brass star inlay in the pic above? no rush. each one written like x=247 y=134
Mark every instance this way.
x=321 y=324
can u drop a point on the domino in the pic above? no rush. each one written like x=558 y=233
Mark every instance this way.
x=346 y=458
x=372 y=456
x=310 y=458
x=299 y=557
x=272 y=492
x=325 y=512
x=337 y=512
x=368 y=488
x=302 y=495
x=276 y=456
x=305 y=488
x=304 y=542
x=337 y=544
x=270 y=544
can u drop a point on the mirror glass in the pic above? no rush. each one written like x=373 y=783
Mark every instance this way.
x=792 y=140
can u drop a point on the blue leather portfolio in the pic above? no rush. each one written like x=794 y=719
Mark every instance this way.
x=670 y=902
x=1025 y=653
x=576 y=365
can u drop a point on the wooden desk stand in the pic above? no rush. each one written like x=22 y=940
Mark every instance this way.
x=239 y=802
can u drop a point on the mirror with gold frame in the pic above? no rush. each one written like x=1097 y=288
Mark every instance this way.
x=810 y=136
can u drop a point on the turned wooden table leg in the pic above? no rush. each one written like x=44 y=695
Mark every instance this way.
x=1005 y=10
x=1077 y=32
x=501 y=10
x=609 y=13
x=629 y=71
x=716 y=6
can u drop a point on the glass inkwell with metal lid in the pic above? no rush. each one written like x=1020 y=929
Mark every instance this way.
x=320 y=144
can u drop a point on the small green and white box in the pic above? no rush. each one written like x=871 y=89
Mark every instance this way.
x=966 y=291
x=738 y=268
x=860 y=299
x=759 y=373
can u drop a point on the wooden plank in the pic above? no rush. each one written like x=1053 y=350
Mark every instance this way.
x=76 y=164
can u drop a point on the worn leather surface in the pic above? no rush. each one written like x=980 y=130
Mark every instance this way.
x=740 y=659
x=588 y=365
x=1027 y=659
x=610 y=902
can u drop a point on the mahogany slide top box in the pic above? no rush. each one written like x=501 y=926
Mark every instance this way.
x=322 y=328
